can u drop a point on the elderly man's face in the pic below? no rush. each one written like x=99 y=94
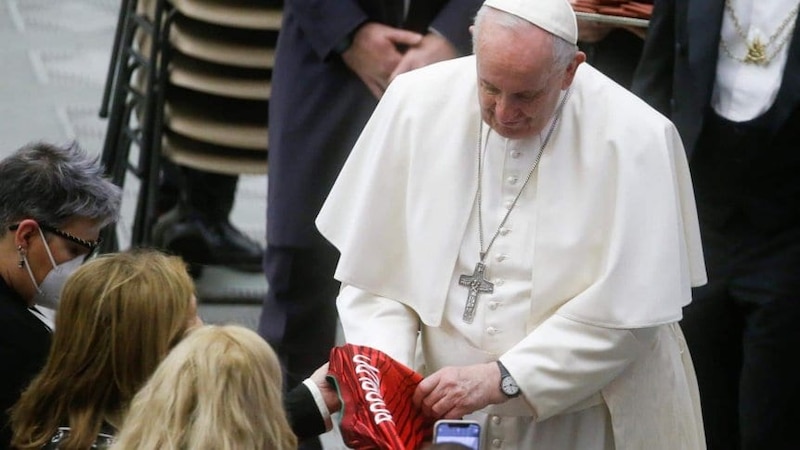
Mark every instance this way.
x=518 y=88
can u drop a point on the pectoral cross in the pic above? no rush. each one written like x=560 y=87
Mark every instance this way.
x=477 y=283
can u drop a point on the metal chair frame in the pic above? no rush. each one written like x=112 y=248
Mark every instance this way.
x=121 y=99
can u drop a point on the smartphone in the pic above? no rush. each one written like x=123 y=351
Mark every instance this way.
x=464 y=432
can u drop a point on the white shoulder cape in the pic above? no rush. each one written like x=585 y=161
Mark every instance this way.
x=617 y=240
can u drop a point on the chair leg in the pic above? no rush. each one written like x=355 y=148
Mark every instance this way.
x=123 y=69
x=150 y=156
x=114 y=61
x=127 y=99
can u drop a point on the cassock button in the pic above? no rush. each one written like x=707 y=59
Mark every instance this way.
x=501 y=257
x=491 y=331
x=492 y=305
x=499 y=282
x=509 y=203
x=516 y=154
x=497 y=443
x=504 y=231
x=496 y=420
x=512 y=180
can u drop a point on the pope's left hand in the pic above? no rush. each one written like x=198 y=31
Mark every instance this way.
x=453 y=392
x=432 y=48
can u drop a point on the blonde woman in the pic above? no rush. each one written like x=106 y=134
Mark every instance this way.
x=219 y=389
x=120 y=314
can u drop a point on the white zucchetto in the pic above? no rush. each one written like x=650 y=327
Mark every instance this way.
x=554 y=16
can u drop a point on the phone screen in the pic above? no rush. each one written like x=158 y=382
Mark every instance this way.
x=464 y=432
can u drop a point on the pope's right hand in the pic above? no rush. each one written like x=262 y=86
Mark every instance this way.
x=374 y=55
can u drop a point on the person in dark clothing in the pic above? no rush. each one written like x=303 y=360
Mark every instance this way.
x=195 y=221
x=613 y=48
x=727 y=72
x=53 y=203
x=616 y=54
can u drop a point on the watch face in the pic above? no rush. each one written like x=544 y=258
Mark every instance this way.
x=508 y=386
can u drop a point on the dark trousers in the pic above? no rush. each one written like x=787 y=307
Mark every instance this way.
x=209 y=194
x=299 y=314
x=743 y=327
x=743 y=331
x=196 y=191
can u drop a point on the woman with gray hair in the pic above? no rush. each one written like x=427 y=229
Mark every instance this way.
x=53 y=203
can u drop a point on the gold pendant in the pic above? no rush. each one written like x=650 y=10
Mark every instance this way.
x=756 y=52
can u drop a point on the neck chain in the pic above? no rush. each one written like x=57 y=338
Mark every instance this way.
x=477 y=282
x=479 y=193
x=756 y=49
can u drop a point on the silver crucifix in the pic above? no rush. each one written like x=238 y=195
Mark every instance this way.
x=477 y=283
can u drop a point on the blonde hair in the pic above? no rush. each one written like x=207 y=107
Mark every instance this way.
x=119 y=316
x=219 y=389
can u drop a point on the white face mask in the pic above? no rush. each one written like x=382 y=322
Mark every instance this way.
x=48 y=293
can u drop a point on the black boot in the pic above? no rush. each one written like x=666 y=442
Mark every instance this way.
x=198 y=229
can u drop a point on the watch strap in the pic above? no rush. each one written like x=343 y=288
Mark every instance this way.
x=503 y=371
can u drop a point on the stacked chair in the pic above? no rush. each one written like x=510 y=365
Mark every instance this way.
x=188 y=84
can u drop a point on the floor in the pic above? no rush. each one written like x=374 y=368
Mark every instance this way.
x=55 y=56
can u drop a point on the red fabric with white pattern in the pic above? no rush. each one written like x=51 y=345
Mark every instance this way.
x=376 y=391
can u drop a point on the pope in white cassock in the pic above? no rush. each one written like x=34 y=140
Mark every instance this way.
x=533 y=229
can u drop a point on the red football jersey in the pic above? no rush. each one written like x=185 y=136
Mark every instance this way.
x=376 y=392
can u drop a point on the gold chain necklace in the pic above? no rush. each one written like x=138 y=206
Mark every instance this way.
x=756 y=49
x=477 y=282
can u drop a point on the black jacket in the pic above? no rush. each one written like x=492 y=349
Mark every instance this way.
x=318 y=106
x=750 y=169
x=24 y=345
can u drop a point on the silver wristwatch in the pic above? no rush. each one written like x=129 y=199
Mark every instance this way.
x=507 y=384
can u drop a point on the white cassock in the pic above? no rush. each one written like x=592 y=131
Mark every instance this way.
x=590 y=271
